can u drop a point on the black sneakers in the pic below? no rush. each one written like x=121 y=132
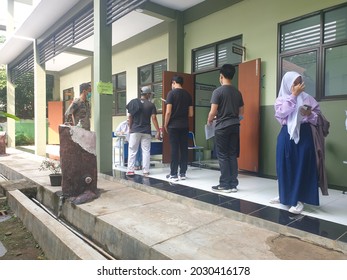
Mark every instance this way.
x=172 y=177
x=223 y=189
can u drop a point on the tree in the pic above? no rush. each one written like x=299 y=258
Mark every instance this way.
x=25 y=96
x=24 y=104
x=24 y=89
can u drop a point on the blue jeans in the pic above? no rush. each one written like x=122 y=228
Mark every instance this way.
x=228 y=150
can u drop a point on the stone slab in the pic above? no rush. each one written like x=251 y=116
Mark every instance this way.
x=147 y=225
x=57 y=242
x=223 y=239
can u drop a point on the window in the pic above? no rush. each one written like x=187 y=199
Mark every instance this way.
x=214 y=56
x=316 y=47
x=119 y=94
x=152 y=75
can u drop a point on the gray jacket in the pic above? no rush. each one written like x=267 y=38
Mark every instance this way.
x=319 y=132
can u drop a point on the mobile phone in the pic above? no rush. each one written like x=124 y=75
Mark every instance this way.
x=307 y=107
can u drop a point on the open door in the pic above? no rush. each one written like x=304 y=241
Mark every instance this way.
x=187 y=85
x=249 y=85
x=55 y=118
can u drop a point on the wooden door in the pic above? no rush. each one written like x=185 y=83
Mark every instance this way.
x=249 y=85
x=188 y=85
x=55 y=118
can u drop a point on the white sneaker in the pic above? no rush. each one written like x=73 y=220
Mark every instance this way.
x=297 y=209
x=275 y=200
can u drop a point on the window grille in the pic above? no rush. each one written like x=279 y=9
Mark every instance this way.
x=119 y=8
x=72 y=33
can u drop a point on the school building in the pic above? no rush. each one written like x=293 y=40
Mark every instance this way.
x=120 y=46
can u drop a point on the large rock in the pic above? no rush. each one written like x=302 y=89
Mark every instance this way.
x=78 y=163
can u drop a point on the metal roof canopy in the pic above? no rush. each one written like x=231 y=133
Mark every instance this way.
x=56 y=13
x=48 y=14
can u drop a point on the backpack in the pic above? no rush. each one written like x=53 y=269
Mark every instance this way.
x=134 y=106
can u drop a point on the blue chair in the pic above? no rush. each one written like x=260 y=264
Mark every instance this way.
x=192 y=146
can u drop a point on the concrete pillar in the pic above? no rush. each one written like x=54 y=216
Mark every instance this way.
x=102 y=72
x=176 y=44
x=11 y=124
x=10 y=17
x=40 y=105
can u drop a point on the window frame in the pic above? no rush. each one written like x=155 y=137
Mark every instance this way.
x=320 y=48
x=215 y=46
x=152 y=83
x=116 y=95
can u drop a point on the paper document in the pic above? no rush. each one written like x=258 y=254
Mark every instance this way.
x=209 y=130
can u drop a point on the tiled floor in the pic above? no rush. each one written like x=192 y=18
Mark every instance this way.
x=328 y=220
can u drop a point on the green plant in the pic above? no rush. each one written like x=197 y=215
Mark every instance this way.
x=24 y=140
x=7 y=115
x=51 y=165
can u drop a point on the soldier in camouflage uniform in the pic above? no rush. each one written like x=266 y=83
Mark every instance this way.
x=78 y=112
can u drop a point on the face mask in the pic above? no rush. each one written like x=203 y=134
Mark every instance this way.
x=89 y=95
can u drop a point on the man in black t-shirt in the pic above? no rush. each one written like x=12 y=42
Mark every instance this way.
x=179 y=107
x=141 y=112
x=227 y=107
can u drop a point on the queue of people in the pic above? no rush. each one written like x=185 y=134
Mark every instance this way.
x=300 y=143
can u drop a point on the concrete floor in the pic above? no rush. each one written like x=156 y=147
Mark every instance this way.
x=150 y=218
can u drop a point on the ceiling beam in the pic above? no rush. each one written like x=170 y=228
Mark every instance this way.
x=28 y=2
x=158 y=11
x=77 y=51
x=206 y=8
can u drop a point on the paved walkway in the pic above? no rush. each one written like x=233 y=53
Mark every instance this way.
x=134 y=221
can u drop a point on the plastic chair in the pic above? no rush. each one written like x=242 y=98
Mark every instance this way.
x=192 y=145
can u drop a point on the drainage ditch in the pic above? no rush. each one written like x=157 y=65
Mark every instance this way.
x=71 y=229
x=4 y=216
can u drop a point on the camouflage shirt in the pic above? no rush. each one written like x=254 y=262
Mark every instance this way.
x=81 y=111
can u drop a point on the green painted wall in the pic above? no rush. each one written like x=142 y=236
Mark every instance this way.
x=259 y=34
x=260 y=40
x=336 y=147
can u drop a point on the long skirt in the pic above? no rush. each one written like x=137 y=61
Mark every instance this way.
x=296 y=168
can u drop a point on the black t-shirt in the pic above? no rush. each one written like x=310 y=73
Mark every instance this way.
x=229 y=101
x=181 y=101
x=142 y=119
